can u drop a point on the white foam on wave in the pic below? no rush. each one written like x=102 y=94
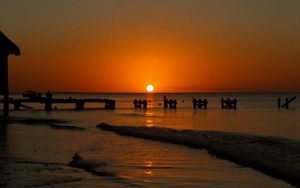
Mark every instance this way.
x=98 y=168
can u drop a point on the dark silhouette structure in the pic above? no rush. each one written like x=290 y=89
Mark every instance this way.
x=200 y=103
x=228 y=103
x=135 y=103
x=165 y=102
x=109 y=104
x=172 y=104
x=287 y=102
x=194 y=103
x=32 y=95
x=139 y=103
x=175 y=104
x=48 y=103
x=145 y=104
x=7 y=47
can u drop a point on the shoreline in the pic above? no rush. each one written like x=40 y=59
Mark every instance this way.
x=277 y=157
x=52 y=123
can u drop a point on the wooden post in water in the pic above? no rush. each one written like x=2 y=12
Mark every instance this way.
x=7 y=47
x=228 y=103
x=79 y=104
x=110 y=104
x=200 y=103
x=287 y=102
x=48 y=102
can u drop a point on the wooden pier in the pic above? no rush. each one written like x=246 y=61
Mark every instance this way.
x=79 y=103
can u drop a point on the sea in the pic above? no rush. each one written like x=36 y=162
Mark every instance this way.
x=37 y=155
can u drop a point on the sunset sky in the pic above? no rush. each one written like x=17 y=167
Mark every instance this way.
x=176 y=45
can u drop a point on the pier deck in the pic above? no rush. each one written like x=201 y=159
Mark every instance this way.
x=79 y=103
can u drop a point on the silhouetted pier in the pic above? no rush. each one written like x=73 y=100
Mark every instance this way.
x=48 y=103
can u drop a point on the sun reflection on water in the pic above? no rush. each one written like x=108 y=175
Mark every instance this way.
x=149 y=121
x=148 y=172
x=149 y=164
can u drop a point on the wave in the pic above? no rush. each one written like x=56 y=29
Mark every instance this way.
x=278 y=157
x=98 y=168
x=90 y=166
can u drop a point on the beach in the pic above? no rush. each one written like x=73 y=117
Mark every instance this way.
x=149 y=93
x=64 y=148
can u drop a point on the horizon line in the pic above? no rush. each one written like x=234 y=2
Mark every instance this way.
x=169 y=92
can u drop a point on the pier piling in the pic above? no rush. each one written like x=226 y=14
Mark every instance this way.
x=228 y=103
x=200 y=103
x=138 y=104
x=286 y=104
x=171 y=103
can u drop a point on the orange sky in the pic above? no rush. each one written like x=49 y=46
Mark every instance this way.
x=176 y=45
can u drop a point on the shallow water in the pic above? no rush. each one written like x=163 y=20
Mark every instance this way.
x=38 y=155
x=256 y=113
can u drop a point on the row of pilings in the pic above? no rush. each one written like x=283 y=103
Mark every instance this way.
x=202 y=103
x=168 y=103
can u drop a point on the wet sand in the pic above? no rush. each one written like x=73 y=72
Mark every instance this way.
x=277 y=157
x=53 y=123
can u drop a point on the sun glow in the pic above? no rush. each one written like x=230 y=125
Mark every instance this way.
x=150 y=88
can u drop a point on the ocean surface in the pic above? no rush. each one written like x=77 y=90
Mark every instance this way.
x=38 y=155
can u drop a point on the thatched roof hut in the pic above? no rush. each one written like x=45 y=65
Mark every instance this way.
x=7 y=47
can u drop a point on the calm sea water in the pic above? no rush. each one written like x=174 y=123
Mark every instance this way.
x=37 y=156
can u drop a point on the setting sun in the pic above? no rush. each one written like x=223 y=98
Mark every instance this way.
x=150 y=88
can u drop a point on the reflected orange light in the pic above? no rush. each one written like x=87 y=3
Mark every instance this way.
x=149 y=164
x=149 y=123
x=149 y=173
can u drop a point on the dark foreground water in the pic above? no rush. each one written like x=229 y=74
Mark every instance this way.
x=38 y=155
